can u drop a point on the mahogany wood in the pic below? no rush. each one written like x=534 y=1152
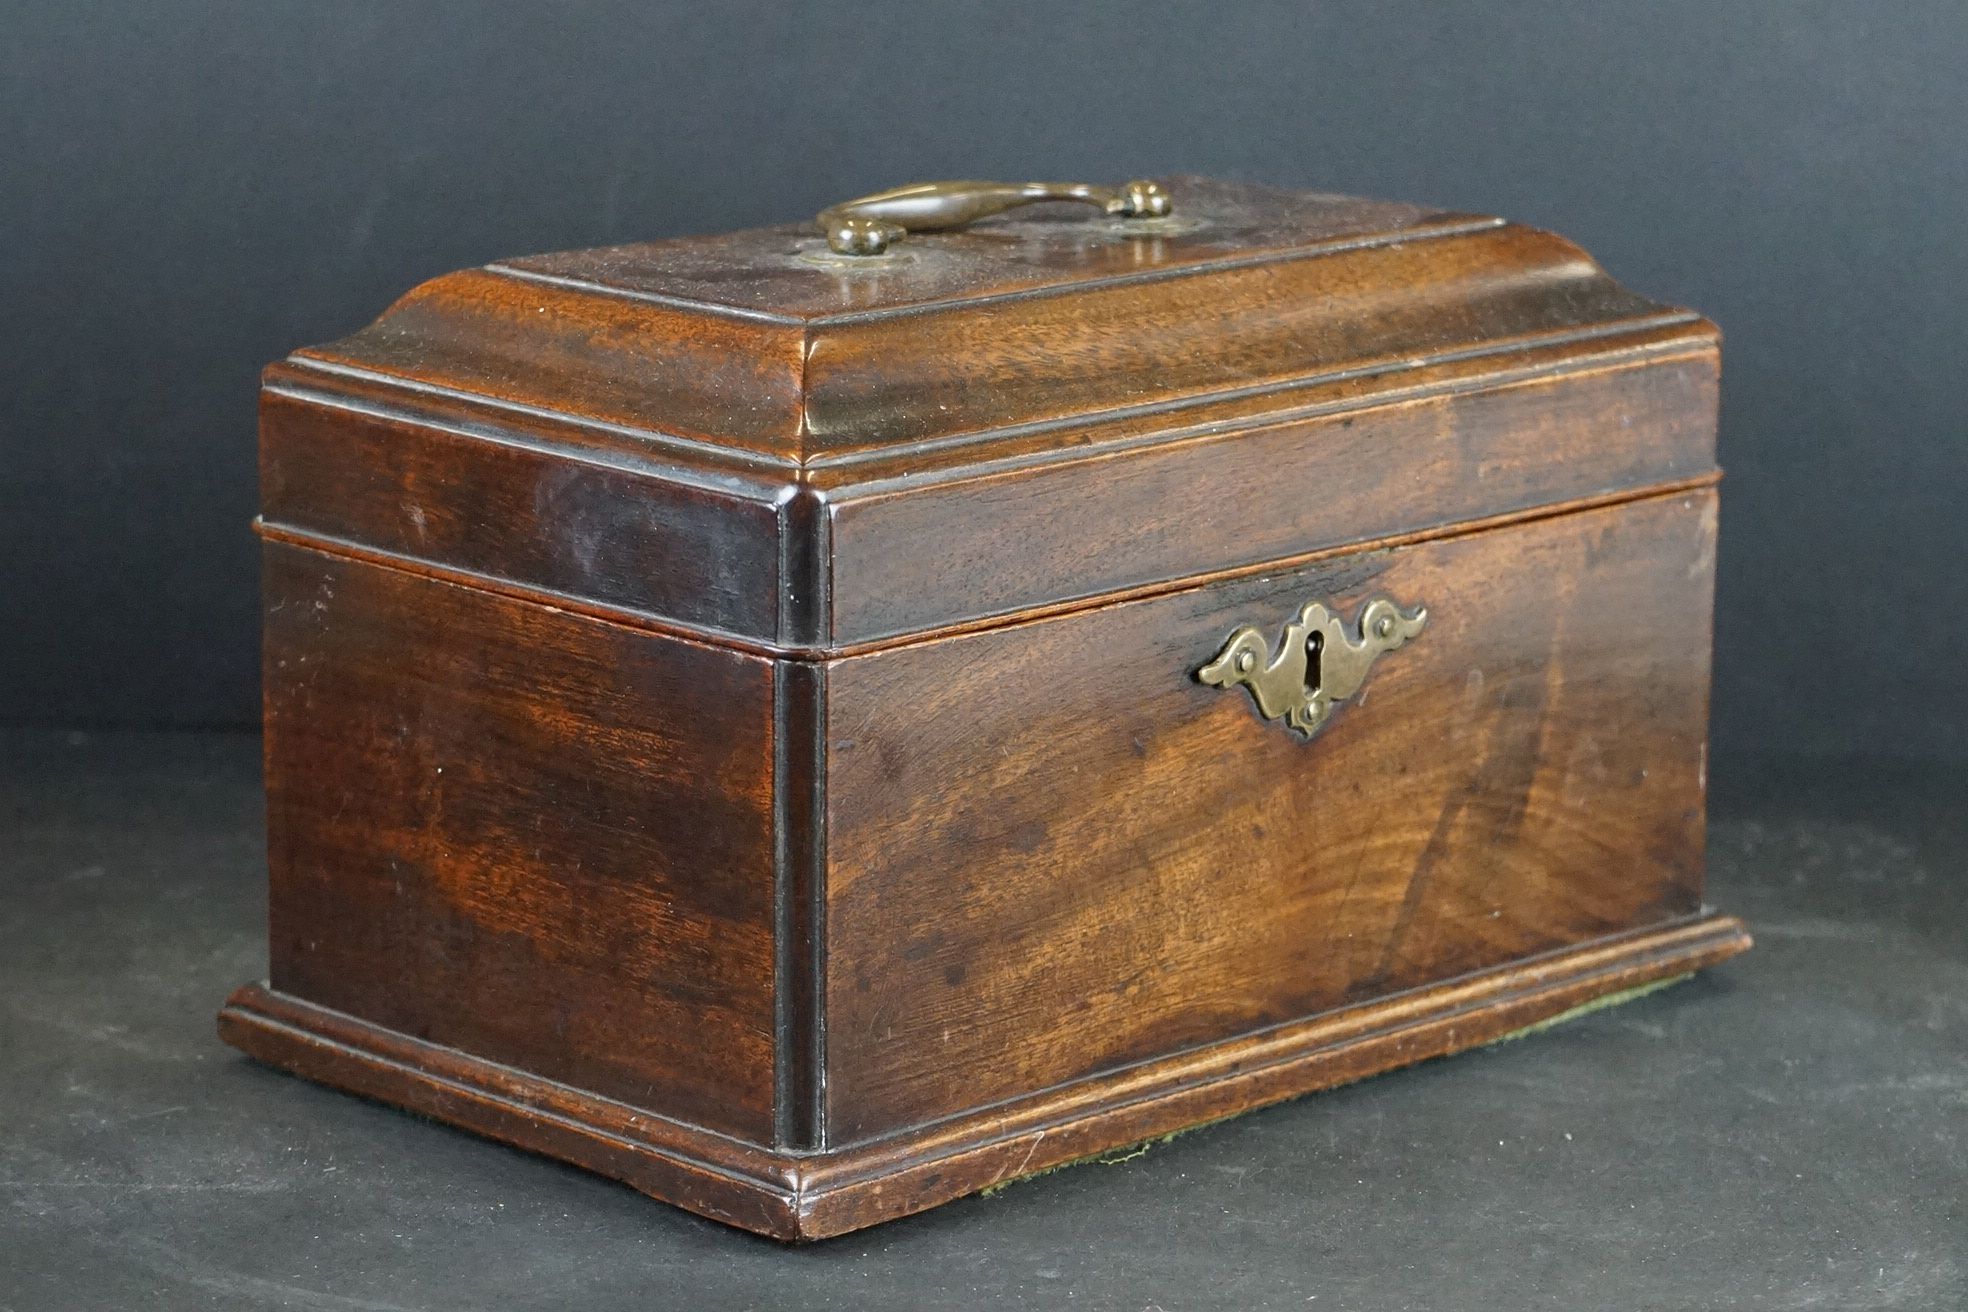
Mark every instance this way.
x=1049 y=854
x=541 y=838
x=730 y=719
x=806 y=1196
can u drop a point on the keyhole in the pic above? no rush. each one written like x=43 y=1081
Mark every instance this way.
x=1314 y=641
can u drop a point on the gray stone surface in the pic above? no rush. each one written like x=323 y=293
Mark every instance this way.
x=1788 y=1131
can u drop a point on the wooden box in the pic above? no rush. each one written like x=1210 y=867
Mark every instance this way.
x=816 y=734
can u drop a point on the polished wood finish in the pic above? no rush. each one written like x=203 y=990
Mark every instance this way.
x=730 y=717
x=1050 y=852
x=612 y=535
x=537 y=837
x=723 y=435
x=927 y=559
x=804 y=1196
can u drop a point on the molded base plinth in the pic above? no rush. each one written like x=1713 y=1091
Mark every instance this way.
x=812 y=1195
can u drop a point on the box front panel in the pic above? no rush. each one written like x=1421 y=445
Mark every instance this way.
x=1053 y=851
x=542 y=839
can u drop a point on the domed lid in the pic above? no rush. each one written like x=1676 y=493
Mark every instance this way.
x=768 y=344
x=766 y=366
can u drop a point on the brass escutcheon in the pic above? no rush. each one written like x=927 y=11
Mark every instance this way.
x=1321 y=660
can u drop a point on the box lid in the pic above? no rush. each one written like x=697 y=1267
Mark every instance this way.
x=756 y=438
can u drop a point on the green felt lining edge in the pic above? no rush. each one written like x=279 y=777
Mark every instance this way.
x=1115 y=1156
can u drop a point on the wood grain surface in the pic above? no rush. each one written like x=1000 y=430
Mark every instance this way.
x=731 y=719
x=730 y=438
x=1050 y=851
x=806 y=1196
x=536 y=837
x=919 y=557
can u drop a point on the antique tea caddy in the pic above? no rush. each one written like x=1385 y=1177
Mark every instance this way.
x=817 y=721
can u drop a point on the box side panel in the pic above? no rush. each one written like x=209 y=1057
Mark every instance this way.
x=591 y=527
x=538 y=838
x=928 y=556
x=1053 y=852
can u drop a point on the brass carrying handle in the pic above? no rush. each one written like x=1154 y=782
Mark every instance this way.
x=869 y=225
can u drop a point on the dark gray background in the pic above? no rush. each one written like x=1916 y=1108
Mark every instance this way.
x=193 y=188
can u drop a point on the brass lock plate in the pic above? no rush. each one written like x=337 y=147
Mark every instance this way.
x=1321 y=660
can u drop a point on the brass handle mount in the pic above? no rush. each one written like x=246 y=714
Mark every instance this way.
x=868 y=226
x=1321 y=660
